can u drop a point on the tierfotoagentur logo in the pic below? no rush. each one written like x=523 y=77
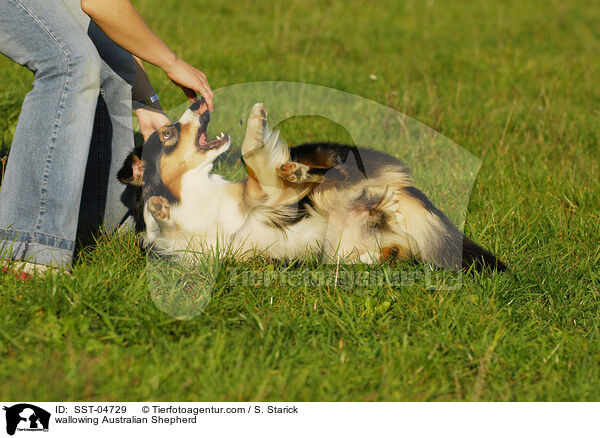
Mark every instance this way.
x=345 y=278
x=24 y=417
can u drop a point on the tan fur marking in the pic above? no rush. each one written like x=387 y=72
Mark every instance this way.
x=393 y=253
x=236 y=191
x=137 y=170
x=182 y=158
x=251 y=174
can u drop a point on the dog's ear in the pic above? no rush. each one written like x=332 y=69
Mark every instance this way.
x=132 y=172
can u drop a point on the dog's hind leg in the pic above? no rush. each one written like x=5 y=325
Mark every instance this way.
x=255 y=130
x=262 y=147
x=263 y=152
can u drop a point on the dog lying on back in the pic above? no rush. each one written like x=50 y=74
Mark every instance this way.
x=342 y=202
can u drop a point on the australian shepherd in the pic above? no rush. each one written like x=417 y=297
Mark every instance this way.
x=343 y=203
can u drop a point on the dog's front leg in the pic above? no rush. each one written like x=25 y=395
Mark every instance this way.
x=160 y=209
x=300 y=173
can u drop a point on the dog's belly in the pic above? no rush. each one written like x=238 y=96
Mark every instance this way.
x=300 y=239
x=296 y=240
x=338 y=236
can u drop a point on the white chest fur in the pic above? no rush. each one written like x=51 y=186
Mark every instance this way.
x=207 y=206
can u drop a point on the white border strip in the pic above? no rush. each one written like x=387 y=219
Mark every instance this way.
x=91 y=419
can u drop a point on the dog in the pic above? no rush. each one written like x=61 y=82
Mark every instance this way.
x=343 y=203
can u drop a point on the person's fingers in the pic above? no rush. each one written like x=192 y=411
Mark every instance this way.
x=209 y=102
x=191 y=95
x=207 y=85
x=204 y=88
x=192 y=81
x=207 y=94
x=207 y=88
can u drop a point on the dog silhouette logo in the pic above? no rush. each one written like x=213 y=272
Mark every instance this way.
x=26 y=417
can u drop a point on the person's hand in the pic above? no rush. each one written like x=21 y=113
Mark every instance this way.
x=150 y=120
x=190 y=80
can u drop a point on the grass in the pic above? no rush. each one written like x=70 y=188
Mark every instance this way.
x=514 y=83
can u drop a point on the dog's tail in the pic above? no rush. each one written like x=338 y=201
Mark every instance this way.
x=435 y=239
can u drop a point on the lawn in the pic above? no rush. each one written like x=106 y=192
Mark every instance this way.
x=514 y=83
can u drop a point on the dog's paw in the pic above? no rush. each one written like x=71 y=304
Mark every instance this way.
x=293 y=172
x=259 y=113
x=159 y=207
x=255 y=128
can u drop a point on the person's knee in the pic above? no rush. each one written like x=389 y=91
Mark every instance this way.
x=78 y=64
x=85 y=66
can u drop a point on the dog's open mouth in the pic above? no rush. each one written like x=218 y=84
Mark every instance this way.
x=203 y=144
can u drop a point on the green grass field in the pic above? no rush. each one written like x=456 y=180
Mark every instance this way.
x=515 y=83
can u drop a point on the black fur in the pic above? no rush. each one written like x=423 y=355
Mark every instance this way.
x=134 y=201
x=480 y=258
x=132 y=195
x=126 y=171
x=153 y=183
x=328 y=155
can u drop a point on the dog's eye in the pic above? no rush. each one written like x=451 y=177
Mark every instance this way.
x=168 y=134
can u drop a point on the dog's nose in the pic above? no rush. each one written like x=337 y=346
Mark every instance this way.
x=200 y=106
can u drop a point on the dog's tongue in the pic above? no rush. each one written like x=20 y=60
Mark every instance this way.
x=202 y=139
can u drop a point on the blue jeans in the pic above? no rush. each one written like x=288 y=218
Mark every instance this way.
x=73 y=132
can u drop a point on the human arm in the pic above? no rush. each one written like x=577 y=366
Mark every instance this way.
x=150 y=116
x=119 y=20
